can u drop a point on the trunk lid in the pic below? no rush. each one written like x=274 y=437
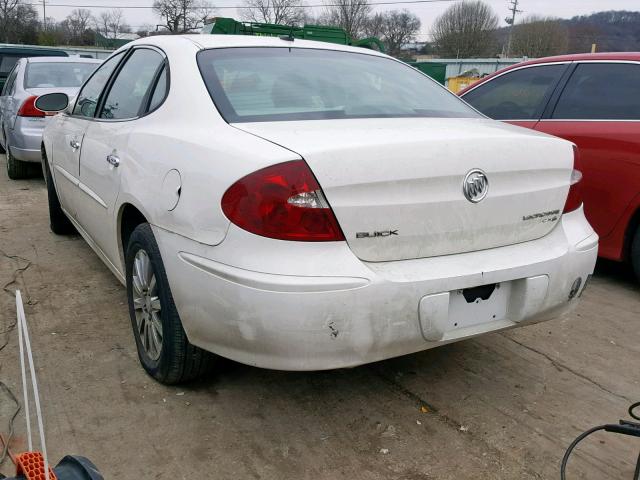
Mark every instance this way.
x=396 y=185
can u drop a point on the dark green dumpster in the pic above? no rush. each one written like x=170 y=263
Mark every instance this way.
x=437 y=71
x=320 y=33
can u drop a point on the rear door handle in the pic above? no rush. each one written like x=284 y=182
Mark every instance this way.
x=74 y=144
x=113 y=160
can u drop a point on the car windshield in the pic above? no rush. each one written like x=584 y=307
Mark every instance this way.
x=57 y=74
x=272 y=84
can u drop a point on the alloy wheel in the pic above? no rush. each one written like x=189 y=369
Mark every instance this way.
x=147 y=306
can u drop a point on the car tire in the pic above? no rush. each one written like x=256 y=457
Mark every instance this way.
x=58 y=220
x=163 y=348
x=16 y=169
x=635 y=254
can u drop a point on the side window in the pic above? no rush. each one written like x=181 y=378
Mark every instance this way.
x=90 y=93
x=517 y=95
x=7 y=62
x=601 y=91
x=160 y=90
x=127 y=95
x=8 y=86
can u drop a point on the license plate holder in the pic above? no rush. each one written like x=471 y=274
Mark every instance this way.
x=481 y=309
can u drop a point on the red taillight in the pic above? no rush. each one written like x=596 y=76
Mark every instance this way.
x=574 y=197
x=283 y=201
x=28 y=108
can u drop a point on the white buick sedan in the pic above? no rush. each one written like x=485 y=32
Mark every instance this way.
x=302 y=206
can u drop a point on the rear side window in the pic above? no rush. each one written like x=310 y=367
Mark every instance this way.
x=274 y=84
x=160 y=90
x=90 y=93
x=7 y=62
x=601 y=91
x=57 y=74
x=132 y=84
x=8 y=86
x=518 y=95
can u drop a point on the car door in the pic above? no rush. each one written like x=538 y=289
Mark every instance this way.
x=104 y=148
x=518 y=96
x=71 y=126
x=599 y=110
x=6 y=104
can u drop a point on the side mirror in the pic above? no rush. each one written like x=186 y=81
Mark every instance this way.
x=52 y=102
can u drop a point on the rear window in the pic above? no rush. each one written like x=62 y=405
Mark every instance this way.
x=272 y=84
x=57 y=74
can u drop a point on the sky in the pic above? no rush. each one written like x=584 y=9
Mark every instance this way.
x=426 y=11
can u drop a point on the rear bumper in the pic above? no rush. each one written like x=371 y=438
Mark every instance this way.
x=26 y=154
x=25 y=139
x=313 y=307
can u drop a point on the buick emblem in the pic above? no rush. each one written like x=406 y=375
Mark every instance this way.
x=475 y=185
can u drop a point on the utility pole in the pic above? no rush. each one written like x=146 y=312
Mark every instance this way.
x=44 y=14
x=511 y=21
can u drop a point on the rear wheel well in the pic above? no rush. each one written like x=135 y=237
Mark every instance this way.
x=130 y=218
x=632 y=229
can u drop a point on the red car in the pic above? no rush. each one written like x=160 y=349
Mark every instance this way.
x=592 y=100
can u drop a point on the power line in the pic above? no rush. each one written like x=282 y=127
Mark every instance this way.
x=150 y=7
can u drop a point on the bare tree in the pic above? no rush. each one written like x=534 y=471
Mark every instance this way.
x=283 y=12
x=583 y=35
x=76 y=23
x=466 y=29
x=102 y=22
x=116 y=22
x=18 y=22
x=182 y=16
x=399 y=27
x=374 y=26
x=110 y=24
x=540 y=37
x=8 y=10
x=350 y=15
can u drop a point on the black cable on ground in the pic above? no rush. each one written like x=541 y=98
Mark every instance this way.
x=624 y=427
x=567 y=454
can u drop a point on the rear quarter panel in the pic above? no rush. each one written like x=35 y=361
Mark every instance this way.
x=186 y=133
x=610 y=163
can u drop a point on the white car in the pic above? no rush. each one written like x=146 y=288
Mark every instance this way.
x=302 y=206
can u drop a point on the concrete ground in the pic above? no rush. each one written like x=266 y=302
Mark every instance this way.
x=503 y=406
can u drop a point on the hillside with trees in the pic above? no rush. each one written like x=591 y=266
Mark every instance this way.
x=611 y=31
x=468 y=29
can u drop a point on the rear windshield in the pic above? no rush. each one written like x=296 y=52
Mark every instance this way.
x=272 y=84
x=57 y=74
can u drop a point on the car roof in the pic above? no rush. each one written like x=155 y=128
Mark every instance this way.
x=62 y=60
x=206 y=41
x=580 y=57
x=22 y=50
